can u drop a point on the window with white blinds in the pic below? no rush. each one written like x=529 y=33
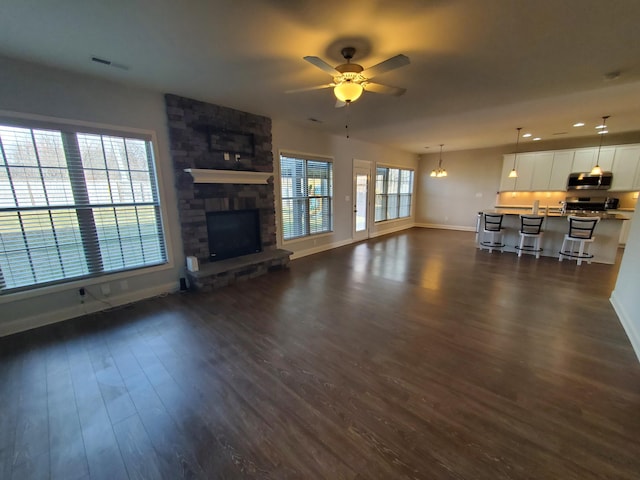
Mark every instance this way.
x=74 y=205
x=307 y=191
x=394 y=191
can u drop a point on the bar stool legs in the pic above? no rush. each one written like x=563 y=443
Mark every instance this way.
x=530 y=229
x=581 y=232
x=492 y=229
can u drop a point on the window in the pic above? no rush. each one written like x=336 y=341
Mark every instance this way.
x=394 y=188
x=74 y=205
x=307 y=190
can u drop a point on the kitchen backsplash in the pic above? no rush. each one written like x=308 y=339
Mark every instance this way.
x=553 y=199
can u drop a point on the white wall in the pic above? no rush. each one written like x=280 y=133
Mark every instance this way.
x=471 y=184
x=290 y=138
x=625 y=298
x=33 y=89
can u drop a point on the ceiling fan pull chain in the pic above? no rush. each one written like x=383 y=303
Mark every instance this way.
x=347 y=113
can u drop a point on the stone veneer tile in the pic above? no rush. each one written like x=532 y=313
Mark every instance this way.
x=188 y=121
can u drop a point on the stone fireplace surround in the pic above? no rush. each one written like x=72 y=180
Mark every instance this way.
x=206 y=139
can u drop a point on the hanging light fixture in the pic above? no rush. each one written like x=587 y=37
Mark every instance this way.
x=597 y=170
x=439 y=172
x=348 y=91
x=513 y=173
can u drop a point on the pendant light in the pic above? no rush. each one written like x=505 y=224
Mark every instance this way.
x=439 y=172
x=597 y=170
x=513 y=173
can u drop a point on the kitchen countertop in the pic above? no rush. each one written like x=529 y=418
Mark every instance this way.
x=557 y=213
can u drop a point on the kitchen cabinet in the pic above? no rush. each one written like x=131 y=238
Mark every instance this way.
x=562 y=165
x=525 y=164
x=507 y=184
x=626 y=163
x=542 y=168
x=584 y=159
x=549 y=170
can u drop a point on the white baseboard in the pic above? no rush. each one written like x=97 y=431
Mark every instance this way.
x=398 y=228
x=349 y=241
x=90 y=306
x=460 y=228
x=321 y=248
x=627 y=323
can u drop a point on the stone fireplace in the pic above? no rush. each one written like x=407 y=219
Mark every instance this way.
x=222 y=162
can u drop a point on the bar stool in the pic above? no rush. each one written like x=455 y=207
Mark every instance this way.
x=530 y=234
x=581 y=232
x=493 y=229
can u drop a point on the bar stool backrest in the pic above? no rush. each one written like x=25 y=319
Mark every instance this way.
x=493 y=222
x=531 y=224
x=582 y=227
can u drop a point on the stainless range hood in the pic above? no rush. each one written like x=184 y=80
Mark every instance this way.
x=586 y=181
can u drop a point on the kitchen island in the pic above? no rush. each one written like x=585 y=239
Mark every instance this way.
x=556 y=225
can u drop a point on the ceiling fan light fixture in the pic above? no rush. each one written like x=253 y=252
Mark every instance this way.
x=348 y=91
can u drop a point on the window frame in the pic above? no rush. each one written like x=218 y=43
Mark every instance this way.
x=330 y=197
x=37 y=122
x=397 y=195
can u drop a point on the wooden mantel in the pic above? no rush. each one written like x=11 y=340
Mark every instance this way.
x=206 y=175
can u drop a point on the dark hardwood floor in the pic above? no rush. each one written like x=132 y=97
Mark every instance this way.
x=409 y=356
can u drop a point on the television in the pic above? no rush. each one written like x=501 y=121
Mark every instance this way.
x=233 y=234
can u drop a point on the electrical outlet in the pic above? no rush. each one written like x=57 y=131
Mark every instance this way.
x=635 y=195
x=124 y=285
x=105 y=289
x=226 y=155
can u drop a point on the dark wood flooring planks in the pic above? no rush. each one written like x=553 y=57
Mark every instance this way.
x=409 y=356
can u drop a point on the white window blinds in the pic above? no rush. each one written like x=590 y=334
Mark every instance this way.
x=75 y=204
x=394 y=189
x=307 y=190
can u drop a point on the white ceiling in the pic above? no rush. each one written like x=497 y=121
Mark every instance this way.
x=479 y=68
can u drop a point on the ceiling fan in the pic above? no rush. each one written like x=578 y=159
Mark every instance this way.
x=351 y=79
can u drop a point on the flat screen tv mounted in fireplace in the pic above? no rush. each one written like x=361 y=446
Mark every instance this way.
x=233 y=234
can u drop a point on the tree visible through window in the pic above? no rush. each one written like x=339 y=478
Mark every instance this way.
x=394 y=189
x=75 y=204
x=307 y=190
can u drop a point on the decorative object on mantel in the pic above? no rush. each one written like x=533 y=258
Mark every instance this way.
x=439 y=172
x=229 y=141
x=205 y=175
x=513 y=173
x=597 y=170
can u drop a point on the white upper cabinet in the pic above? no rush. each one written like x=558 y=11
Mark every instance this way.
x=507 y=184
x=524 y=165
x=549 y=170
x=562 y=167
x=585 y=159
x=542 y=167
x=625 y=167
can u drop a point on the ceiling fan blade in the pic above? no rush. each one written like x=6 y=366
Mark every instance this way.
x=322 y=65
x=340 y=103
x=308 y=89
x=385 y=89
x=389 y=64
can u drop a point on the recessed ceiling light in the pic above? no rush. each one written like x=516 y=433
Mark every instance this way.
x=536 y=139
x=526 y=135
x=602 y=132
x=579 y=124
